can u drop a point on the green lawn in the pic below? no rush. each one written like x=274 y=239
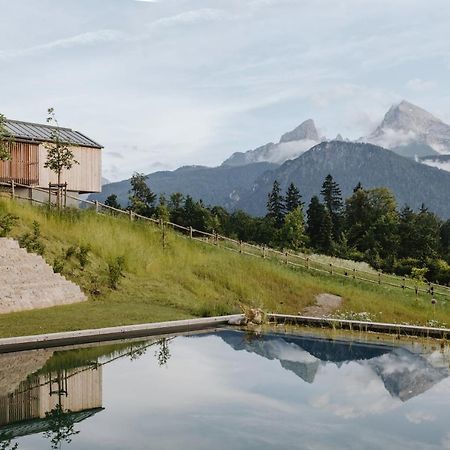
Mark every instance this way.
x=187 y=279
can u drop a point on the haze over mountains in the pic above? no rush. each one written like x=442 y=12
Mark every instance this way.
x=411 y=131
x=407 y=137
x=290 y=145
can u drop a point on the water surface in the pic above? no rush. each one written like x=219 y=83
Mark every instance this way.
x=227 y=390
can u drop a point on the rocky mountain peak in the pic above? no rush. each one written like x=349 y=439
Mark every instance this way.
x=411 y=131
x=407 y=116
x=305 y=131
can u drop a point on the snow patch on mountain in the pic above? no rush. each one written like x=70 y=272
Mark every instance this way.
x=411 y=131
x=291 y=145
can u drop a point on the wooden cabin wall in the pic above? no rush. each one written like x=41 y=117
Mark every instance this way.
x=23 y=167
x=83 y=177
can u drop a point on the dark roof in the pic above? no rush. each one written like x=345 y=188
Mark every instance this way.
x=27 y=131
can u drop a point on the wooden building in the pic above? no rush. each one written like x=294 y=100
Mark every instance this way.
x=29 y=144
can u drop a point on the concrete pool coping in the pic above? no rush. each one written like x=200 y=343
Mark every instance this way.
x=358 y=325
x=66 y=338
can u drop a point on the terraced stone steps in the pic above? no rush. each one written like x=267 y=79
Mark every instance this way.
x=28 y=282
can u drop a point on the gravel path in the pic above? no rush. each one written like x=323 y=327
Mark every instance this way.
x=325 y=304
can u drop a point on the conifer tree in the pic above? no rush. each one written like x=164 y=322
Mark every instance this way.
x=275 y=205
x=293 y=198
x=358 y=187
x=319 y=226
x=332 y=197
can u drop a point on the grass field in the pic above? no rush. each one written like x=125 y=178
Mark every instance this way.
x=186 y=279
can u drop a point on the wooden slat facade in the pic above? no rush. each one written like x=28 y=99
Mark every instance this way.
x=86 y=176
x=23 y=167
x=26 y=166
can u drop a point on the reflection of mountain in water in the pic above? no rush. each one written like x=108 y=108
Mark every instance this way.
x=404 y=374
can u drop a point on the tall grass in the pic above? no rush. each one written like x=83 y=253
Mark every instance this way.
x=186 y=279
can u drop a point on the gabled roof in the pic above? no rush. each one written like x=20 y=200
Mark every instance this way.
x=27 y=131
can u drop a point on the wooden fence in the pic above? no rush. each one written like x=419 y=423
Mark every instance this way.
x=291 y=259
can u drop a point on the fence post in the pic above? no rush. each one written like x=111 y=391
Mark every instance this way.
x=379 y=277
x=264 y=252
x=404 y=282
x=307 y=263
x=240 y=246
x=13 y=190
x=163 y=227
x=65 y=194
x=49 y=194
x=331 y=269
x=131 y=215
x=216 y=238
x=354 y=273
x=190 y=232
x=96 y=206
x=286 y=254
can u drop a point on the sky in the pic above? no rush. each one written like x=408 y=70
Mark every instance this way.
x=167 y=83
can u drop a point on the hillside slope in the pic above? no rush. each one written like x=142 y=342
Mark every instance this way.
x=186 y=279
x=350 y=163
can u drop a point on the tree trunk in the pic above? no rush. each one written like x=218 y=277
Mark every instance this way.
x=58 y=192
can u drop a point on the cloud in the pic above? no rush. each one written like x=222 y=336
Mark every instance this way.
x=83 y=39
x=191 y=17
x=191 y=82
x=419 y=85
x=418 y=417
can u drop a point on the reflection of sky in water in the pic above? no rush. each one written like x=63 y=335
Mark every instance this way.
x=269 y=394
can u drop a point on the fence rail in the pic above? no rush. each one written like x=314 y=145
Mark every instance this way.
x=245 y=248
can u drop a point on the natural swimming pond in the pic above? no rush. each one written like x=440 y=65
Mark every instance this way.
x=228 y=390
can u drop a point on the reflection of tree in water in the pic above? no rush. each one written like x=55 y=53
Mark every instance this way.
x=163 y=352
x=59 y=421
x=251 y=336
x=136 y=354
x=61 y=426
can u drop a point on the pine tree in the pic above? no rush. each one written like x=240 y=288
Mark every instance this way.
x=293 y=198
x=325 y=242
x=319 y=226
x=358 y=187
x=332 y=197
x=275 y=205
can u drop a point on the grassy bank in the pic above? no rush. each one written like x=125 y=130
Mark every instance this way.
x=186 y=279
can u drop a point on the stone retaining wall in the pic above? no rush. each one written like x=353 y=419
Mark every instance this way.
x=28 y=282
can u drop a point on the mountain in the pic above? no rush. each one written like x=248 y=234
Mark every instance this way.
x=411 y=131
x=291 y=145
x=349 y=163
x=214 y=185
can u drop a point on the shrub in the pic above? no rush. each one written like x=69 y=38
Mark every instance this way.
x=32 y=241
x=58 y=265
x=7 y=222
x=115 y=271
x=83 y=255
x=70 y=252
x=404 y=266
